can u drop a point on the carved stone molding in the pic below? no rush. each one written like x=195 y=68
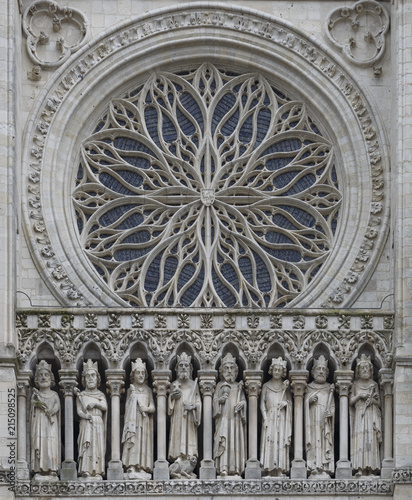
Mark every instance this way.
x=402 y=475
x=359 y=31
x=244 y=488
x=115 y=343
x=225 y=25
x=53 y=33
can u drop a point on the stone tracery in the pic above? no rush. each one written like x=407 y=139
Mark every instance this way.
x=195 y=188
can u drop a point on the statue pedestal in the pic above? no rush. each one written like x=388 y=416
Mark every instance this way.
x=115 y=470
x=298 y=469
x=388 y=465
x=343 y=469
x=22 y=470
x=253 y=469
x=161 y=470
x=207 y=469
x=68 y=472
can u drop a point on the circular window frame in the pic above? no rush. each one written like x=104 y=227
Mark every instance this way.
x=67 y=112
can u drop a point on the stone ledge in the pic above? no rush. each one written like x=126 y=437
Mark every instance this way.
x=243 y=488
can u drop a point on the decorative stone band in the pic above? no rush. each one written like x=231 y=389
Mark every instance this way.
x=266 y=35
x=345 y=334
x=245 y=488
x=402 y=475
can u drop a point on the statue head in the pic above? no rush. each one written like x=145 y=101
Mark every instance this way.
x=364 y=367
x=184 y=366
x=228 y=369
x=43 y=376
x=278 y=366
x=139 y=372
x=320 y=369
x=90 y=376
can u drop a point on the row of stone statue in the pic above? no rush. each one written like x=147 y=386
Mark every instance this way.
x=229 y=412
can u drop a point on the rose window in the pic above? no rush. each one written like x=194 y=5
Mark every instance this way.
x=207 y=188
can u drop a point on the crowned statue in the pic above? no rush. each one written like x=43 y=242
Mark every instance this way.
x=229 y=411
x=45 y=426
x=92 y=410
x=365 y=420
x=137 y=436
x=185 y=410
x=276 y=409
x=320 y=421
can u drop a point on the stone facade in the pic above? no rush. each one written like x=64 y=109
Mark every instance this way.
x=192 y=185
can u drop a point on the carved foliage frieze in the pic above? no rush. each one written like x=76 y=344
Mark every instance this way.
x=245 y=488
x=116 y=333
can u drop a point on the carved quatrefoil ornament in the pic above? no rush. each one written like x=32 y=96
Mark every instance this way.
x=53 y=32
x=359 y=32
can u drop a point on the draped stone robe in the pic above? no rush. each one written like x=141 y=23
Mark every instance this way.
x=366 y=427
x=276 y=403
x=92 y=433
x=184 y=423
x=45 y=432
x=229 y=449
x=319 y=429
x=138 y=434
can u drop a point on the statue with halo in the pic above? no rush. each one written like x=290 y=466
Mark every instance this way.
x=45 y=426
x=92 y=410
x=137 y=436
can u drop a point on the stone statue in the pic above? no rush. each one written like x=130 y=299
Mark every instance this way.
x=276 y=408
x=365 y=420
x=185 y=410
x=229 y=411
x=320 y=421
x=92 y=410
x=45 y=425
x=138 y=434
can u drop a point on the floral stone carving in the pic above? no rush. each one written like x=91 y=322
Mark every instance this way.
x=53 y=32
x=207 y=189
x=359 y=31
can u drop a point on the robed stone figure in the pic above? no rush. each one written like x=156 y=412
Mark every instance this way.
x=229 y=411
x=45 y=425
x=319 y=421
x=365 y=420
x=137 y=435
x=92 y=410
x=185 y=410
x=276 y=409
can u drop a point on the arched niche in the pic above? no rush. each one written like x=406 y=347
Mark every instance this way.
x=275 y=350
x=322 y=349
x=184 y=347
x=235 y=352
